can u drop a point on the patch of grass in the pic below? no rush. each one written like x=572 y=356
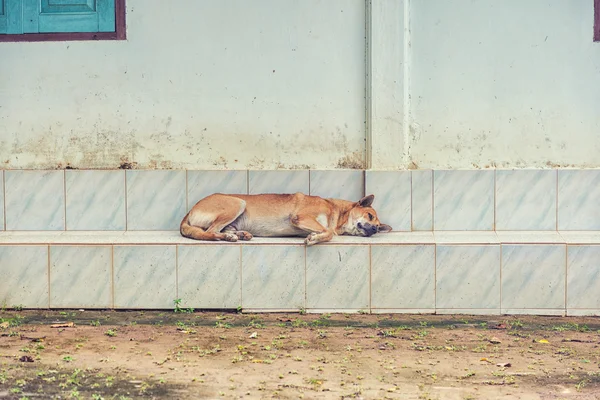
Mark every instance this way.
x=468 y=375
x=111 y=333
x=224 y=325
x=179 y=309
x=570 y=327
x=516 y=324
x=11 y=322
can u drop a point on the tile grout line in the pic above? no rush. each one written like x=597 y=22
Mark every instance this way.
x=241 y=271
x=247 y=181
x=4 y=195
x=112 y=272
x=48 y=269
x=370 y=279
x=187 y=200
x=65 y=199
x=364 y=181
x=495 y=188
x=432 y=203
x=177 y=269
x=501 y=277
x=435 y=250
x=305 y=277
x=126 y=201
x=556 y=210
x=412 y=225
x=566 y=277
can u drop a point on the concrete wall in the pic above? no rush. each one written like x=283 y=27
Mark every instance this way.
x=507 y=83
x=281 y=84
x=198 y=84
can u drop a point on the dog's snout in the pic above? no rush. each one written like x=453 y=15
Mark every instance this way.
x=373 y=229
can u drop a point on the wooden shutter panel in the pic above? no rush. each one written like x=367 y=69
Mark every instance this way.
x=11 y=20
x=45 y=16
x=3 y=19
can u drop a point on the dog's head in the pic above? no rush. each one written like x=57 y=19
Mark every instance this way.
x=363 y=221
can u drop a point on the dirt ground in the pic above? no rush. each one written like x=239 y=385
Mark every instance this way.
x=197 y=355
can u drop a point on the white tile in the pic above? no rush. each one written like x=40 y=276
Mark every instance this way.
x=344 y=184
x=463 y=200
x=174 y=237
x=403 y=277
x=467 y=311
x=337 y=277
x=578 y=199
x=273 y=277
x=95 y=200
x=209 y=276
x=144 y=276
x=468 y=277
x=533 y=276
x=402 y=311
x=401 y=238
x=30 y=237
x=35 y=200
x=422 y=200
x=155 y=199
x=279 y=182
x=392 y=190
x=81 y=276
x=529 y=237
x=89 y=237
x=526 y=200
x=558 y=312
x=583 y=277
x=24 y=272
x=574 y=312
x=155 y=237
x=204 y=183
x=462 y=237
x=580 y=237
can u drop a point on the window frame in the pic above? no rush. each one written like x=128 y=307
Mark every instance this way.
x=119 y=34
x=596 y=20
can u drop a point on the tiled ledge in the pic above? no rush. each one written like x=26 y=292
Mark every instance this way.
x=549 y=273
x=393 y=238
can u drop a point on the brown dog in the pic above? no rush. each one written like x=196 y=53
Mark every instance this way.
x=231 y=217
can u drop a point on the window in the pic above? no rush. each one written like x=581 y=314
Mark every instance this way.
x=58 y=20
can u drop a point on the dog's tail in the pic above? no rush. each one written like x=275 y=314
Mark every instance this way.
x=195 y=232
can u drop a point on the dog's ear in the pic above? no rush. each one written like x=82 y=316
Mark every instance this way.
x=384 y=228
x=366 y=201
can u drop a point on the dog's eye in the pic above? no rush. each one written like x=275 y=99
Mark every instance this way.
x=370 y=217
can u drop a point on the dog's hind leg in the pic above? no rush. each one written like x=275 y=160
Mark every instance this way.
x=242 y=235
x=230 y=209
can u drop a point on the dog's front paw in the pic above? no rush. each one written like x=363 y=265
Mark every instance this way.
x=311 y=239
x=230 y=237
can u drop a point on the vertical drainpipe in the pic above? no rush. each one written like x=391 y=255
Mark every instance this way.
x=407 y=84
x=368 y=87
x=387 y=63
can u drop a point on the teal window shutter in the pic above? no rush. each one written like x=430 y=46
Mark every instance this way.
x=3 y=19
x=56 y=16
x=10 y=16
